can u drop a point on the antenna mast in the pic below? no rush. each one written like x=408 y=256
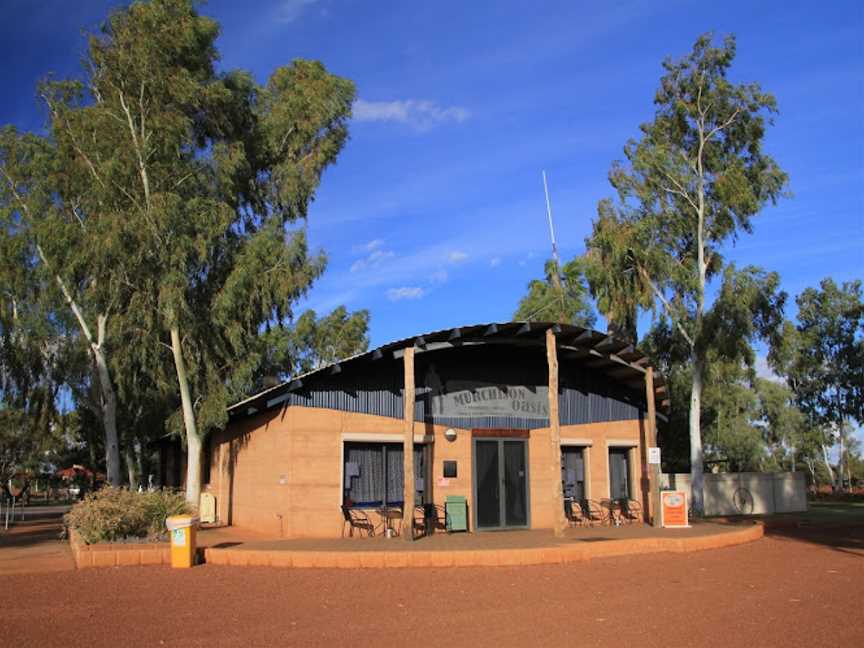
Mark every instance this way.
x=551 y=226
x=556 y=277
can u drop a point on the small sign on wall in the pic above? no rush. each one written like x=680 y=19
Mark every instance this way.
x=654 y=456
x=450 y=469
x=673 y=509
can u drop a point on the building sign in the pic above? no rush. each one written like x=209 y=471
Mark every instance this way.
x=468 y=399
x=654 y=456
x=673 y=509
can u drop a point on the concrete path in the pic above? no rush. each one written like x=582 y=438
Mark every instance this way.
x=33 y=545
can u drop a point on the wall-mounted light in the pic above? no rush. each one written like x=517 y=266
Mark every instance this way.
x=450 y=434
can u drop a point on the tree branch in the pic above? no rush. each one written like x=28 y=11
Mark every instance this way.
x=666 y=306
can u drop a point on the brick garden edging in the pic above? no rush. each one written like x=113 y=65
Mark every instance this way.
x=559 y=554
x=117 y=555
x=121 y=555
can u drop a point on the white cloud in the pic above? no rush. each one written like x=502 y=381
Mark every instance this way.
x=495 y=262
x=290 y=10
x=406 y=292
x=375 y=259
x=374 y=244
x=457 y=256
x=438 y=277
x=417 y=113
x=375 y=253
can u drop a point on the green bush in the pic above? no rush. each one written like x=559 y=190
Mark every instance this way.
x=117 y=514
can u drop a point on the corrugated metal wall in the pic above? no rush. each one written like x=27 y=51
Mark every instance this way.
x=585 y=396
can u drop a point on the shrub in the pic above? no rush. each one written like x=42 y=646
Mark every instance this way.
x=116 y=514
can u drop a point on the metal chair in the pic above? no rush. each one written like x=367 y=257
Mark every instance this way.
x=593 y=512
x=613 y=511
x=631 y=511
x=356 y=519
x=573 y=513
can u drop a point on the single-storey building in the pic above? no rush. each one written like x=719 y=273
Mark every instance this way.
x=482 y=421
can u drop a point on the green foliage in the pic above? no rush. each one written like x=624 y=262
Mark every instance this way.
x=691 y=183
x=116 y=514
x=823 y=355
x=694 y=180
x=743 y=418
x=560 y=297
x=822 y=359
x=318 y=342
x=168 y=197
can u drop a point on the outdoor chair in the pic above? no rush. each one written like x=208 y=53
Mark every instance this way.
x=631 y=511
x=356 y=519
x=612 y=511
x=436 y=518
x=574 y=513
x=593 y=512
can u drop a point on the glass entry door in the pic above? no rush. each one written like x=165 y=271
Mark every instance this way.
x=500 y=483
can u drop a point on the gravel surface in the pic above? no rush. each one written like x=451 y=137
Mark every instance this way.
x=796 y=588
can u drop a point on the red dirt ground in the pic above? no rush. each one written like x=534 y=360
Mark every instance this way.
x=794 y=588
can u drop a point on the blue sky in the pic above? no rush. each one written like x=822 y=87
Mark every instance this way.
x=434 y=214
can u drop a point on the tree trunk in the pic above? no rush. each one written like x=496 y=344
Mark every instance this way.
x=559 y=520
x=109 y=416
x=812 y=468
x=696 y=458
x=193 y=441
x=131 y=467
x=408 y=447
x=840 y=458
x=828 y=466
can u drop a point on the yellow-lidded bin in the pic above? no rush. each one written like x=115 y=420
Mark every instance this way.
x=182 y=528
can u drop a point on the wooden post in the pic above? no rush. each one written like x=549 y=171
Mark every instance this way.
x=651 y=440
x=559 y=521
x=408 y=447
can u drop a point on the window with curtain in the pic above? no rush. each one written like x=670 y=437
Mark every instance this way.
x=573 y=472
x=373 y=474
x=619 y=473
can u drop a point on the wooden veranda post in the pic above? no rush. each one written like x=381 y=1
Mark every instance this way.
x=651 y=440
x=559 y=521
x=408 y=447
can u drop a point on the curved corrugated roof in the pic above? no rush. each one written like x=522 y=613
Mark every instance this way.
x=615 y=357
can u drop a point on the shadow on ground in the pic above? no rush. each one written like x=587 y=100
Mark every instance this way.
x=847 y=538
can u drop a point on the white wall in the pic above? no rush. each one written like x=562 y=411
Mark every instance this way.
x=746 y=493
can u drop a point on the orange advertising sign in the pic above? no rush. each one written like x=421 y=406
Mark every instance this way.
x=673 y=509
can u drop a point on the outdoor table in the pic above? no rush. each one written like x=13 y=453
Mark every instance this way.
x=387 y=514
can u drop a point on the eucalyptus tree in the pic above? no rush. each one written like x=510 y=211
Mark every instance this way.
x=560 y=297
x=822 y=358
x=691 y=183
x=34 y=354
x=613 y=276
x=69 y=233
x=218 y=173
x=313 y=342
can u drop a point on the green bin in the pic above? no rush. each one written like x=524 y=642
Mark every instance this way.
x=456 y=509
